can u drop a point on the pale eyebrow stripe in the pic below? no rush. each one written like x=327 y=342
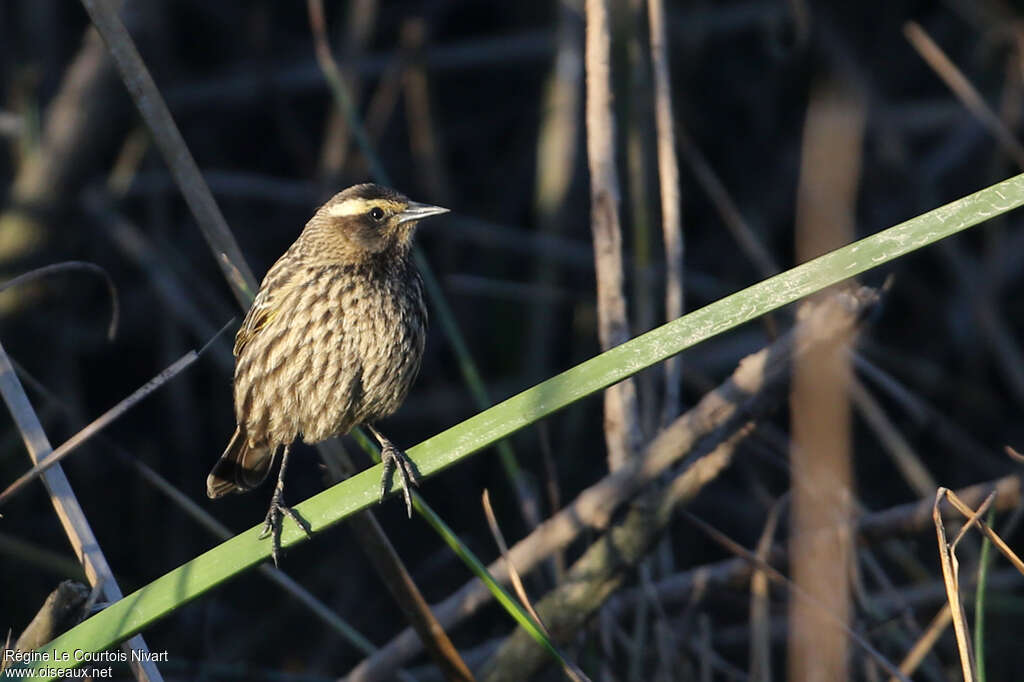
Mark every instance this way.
x=357 y=206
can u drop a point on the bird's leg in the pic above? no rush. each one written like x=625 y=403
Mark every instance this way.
x=395 y=459
x=278 y=510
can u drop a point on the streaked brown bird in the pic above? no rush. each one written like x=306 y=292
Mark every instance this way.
x=333 y=340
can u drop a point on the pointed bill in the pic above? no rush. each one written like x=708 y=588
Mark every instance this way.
x=417 y=211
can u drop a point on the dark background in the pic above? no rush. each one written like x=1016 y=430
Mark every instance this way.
x=244 y=87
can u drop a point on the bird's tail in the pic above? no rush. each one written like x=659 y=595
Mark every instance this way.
x=242 y=467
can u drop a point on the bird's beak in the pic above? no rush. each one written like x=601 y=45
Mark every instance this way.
x=417 y=211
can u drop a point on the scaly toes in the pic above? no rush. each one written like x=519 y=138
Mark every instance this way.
x=273 y=522
x=394 y=459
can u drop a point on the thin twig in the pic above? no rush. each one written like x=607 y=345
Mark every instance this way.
x=513 y=574
x=745 y=236
x=925 y=642
x=963 y=89
x=98 y=424
x=908 y=462
x=571 y=670
x=973 y=518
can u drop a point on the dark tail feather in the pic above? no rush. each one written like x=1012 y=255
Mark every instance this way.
x=240 y=468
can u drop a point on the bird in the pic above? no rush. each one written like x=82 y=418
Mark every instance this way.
x=333 y=340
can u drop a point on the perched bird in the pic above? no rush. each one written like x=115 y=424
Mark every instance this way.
x=333 y=340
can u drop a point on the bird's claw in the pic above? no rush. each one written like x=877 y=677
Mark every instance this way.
x=272 y=523
x=396 y=460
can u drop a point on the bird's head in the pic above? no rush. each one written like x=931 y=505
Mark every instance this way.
x=367 y=219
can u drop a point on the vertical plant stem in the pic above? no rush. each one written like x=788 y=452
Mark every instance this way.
x=621 y=419
x=671 y=210
x=984 y=562
x=820 y=414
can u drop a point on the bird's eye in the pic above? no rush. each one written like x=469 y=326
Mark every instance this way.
x=377 y=213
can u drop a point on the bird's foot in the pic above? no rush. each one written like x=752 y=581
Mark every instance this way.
x=395 y=459
x=275 y=516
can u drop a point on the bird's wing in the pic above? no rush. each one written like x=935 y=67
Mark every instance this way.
x=258 y=317
x=267 y=304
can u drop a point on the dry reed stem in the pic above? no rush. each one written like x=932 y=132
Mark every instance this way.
x=747 y=391
x=621 y=413
x=951 y=580
x=396 y=577
x=69 y=512
x=821 y=551
x=671 y=210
